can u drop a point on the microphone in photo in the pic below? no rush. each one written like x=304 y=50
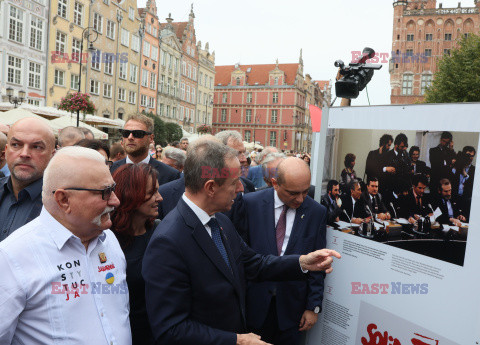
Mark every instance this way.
x=393 y=208
x=349 y=219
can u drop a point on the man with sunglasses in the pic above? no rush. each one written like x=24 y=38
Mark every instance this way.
x=137 y=135
x=64 y=273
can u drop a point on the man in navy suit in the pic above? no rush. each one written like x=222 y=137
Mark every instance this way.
x=137 y=135
x=280 y=311
x=196 y=265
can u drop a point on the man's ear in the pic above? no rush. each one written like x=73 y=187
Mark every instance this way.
x=62 y=200
x=209 y=187
x=274 y=183
x=151 y=139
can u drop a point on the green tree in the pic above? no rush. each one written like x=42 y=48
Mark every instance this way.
x=159 y=130
x=458 y=75
x=173 y=132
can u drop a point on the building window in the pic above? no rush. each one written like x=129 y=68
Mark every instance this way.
x=76 y=50
x=428 y=52
x=248 y=136
x=167 y=113
x=108 y=69
x=94 y=87
x=135 y=43
x=74 y=80
x=125 y=37
x=96 y=60
x=62 y=8
x=407 y=85
x=273 y=139
x=446 y=51
x=275 y=97
x=154 y=53
x=466 y=35
x=131 y=13
x=34 y=75
x=162 y=83
x=132 y=97
x=224 y=115
x=188 y=93
x=144 y=78
x=175 y=86
x=182 y=91
x=97 y=22
x=107 y=90
x=153 y=81
x=274 y=116
x=448 y=37
x=78 y=13
x=249 y=97
x=133 y=73
x=14 y=73
x=224 y=97
x=34 y=102
x=111 y=30
x=194 y=73
x=169 y=80
x=122 y=70
x=409 y=52
x=59 y=78
x=429 y=37
x=248 y=115
x=143 y=100
x=275 y=81
x=426 y=83
x=36 y=33
x=160 y=109
x=121 y=94
x=151 y=102
x=146 y=48
x=409 y=37
x=60 y=42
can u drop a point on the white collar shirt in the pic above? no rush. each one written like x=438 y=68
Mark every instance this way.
x=201 y=214
x=53 y=291
x=278 y=206
x=146 y=160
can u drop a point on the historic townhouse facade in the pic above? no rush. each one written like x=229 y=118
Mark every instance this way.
x=422 y=34
x=206 y=77
x=150 y=58
x=23 y=48
x=169 y=73
x=68 y=19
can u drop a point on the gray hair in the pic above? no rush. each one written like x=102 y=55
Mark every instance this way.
x=265 y=152
x=270 y=158
x=204 y=158
x=70 y=136
x=3 y=141
x=178 y=155
x=225 y=136
x=63 y=165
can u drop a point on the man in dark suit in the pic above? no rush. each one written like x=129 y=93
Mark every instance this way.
x=375 y=165
x=440 y=160
x=373 y=200
x=137 y=135
x=448 y=205
x=278 y=312
x=330 y=201
x=416 y=203
x=171 y=192
x=353 y=207
x=417 y=166
x=399 y=160
x=196 y=265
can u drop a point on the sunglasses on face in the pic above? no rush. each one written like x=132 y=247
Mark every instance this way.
x=137 y=133
x=106 y=192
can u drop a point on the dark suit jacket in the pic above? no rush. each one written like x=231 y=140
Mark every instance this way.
x=248 y=185
x=165 y=172
x=347 y=205
x=421 y=167
x=308 y=234
x=442 y=204
x=409 y=206
x=440 y=159
x=467 y=186
x=333 y=210
x=192 y=297
x=367 y=201
x=403 y=170
x=171 y=192
x=375 y=163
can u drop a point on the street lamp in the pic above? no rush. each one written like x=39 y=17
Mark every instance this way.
x=91 y=49
x=15 y=100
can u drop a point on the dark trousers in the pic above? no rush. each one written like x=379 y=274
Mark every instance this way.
x=270 y=332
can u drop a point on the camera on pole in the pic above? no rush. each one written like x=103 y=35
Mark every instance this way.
x=355 y=76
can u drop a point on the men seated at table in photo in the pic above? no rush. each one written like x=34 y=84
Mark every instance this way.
x=449 y=206
x=373 y=200
x=417 y=203
x=353 y=206
x=331 y=200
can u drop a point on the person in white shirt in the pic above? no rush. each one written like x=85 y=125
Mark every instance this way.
x=63 y=274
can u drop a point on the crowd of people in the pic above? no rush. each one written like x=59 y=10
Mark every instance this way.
x=399 y=185
x=135 y=243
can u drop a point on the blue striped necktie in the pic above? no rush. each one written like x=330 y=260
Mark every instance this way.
x=217 y=239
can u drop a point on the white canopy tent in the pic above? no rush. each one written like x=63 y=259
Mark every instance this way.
x=10 y=117
x=66 y=121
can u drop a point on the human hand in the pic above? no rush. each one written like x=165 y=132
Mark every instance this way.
x=390 y=170
x=250 y=339
x=357 y=220
x=455 y=222
x=462 y=218
x=411 y=220
x=319 y=260
x=309 y=318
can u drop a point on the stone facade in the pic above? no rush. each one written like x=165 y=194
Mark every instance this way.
x=422 y=34
x=206 y=77
x=23 y=48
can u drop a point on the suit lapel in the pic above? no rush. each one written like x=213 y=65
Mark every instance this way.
x=298 y=227
x=270 y=233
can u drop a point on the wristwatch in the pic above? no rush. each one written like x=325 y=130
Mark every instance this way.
x=316 y=310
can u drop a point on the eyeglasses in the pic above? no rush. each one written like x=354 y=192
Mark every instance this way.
x=137 y=133
x=106 y=192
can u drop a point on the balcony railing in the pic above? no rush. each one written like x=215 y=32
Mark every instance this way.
x=441 y=11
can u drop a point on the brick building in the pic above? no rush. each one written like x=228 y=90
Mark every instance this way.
x=266 y=103
x=422 y=34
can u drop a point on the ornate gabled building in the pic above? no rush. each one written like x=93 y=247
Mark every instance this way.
x=206 y=77
x=266 y=103
x=422 y=34
x=24 y=49
x=150 y=58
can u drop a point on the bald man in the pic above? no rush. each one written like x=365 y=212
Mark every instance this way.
x=281 y=221
x=64 y=274
x=70 y=136
x=30 y=146
x=3 y=162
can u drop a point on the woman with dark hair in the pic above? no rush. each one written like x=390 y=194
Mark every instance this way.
x=133 y=222
x=348 y=174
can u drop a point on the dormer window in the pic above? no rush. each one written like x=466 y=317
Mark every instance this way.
x=238 y=81
x=275 y=81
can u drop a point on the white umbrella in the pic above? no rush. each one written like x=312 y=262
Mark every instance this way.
x=66 y=121
x=12 y=116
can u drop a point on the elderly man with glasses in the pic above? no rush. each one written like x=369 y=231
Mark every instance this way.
x=137 y=135
x=63 y=274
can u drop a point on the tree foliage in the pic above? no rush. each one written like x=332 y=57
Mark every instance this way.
x=173 y=131
x=458 y=75
x=164 y=132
